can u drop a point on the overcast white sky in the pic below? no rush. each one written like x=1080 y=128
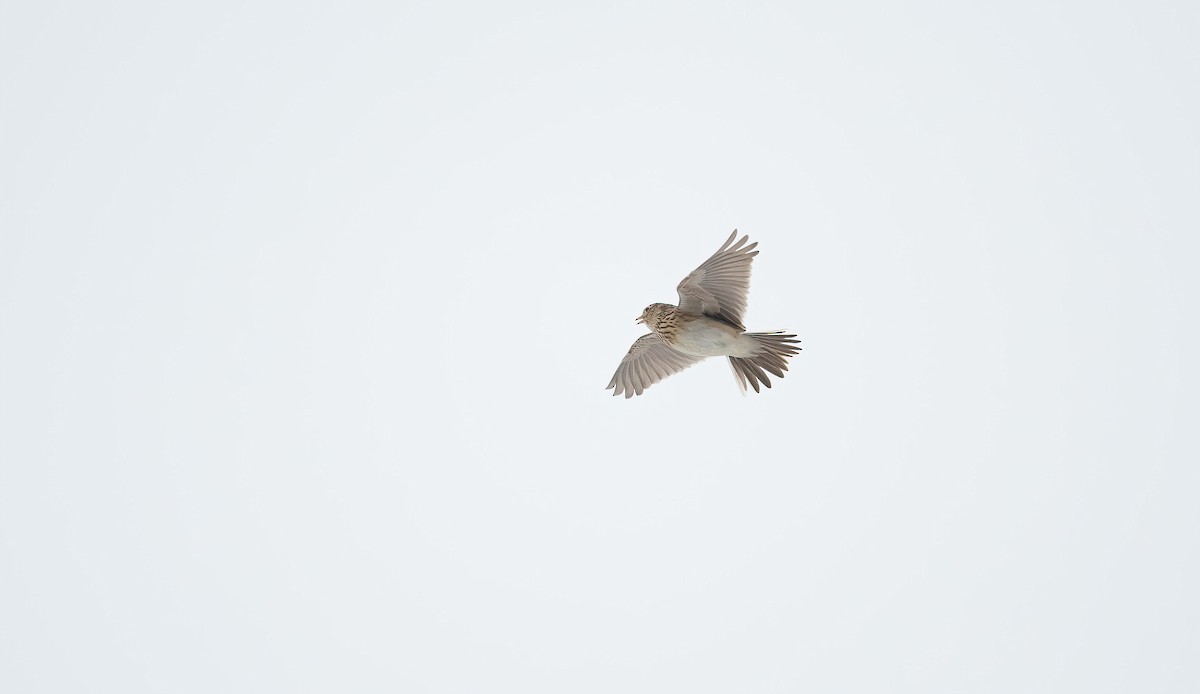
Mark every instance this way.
x=307 y=310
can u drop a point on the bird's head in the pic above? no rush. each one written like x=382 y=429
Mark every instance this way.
x=653 y=313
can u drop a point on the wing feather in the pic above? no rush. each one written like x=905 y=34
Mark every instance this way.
x=718 y=288
x=647 y=362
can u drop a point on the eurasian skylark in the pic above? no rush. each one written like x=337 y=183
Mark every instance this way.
x=706 y=323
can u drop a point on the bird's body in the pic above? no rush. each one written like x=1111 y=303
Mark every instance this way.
x=696 y=334
x=706 y=323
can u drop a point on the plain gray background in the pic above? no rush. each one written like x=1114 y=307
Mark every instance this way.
x=307 y=309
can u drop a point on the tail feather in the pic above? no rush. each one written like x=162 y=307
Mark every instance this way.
x=774 y=350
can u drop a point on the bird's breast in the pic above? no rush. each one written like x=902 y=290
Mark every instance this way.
x=704 y=337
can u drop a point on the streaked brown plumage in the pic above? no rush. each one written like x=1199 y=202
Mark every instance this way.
x=706 y=323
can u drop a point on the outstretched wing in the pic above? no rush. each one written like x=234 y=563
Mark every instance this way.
x=719 y=286
x=647 y=362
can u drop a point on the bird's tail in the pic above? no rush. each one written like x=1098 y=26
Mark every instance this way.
x=774 y=350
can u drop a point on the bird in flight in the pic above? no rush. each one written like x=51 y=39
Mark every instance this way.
x=706 y=323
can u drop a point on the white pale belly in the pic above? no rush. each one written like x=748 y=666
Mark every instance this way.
x=712 y=339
